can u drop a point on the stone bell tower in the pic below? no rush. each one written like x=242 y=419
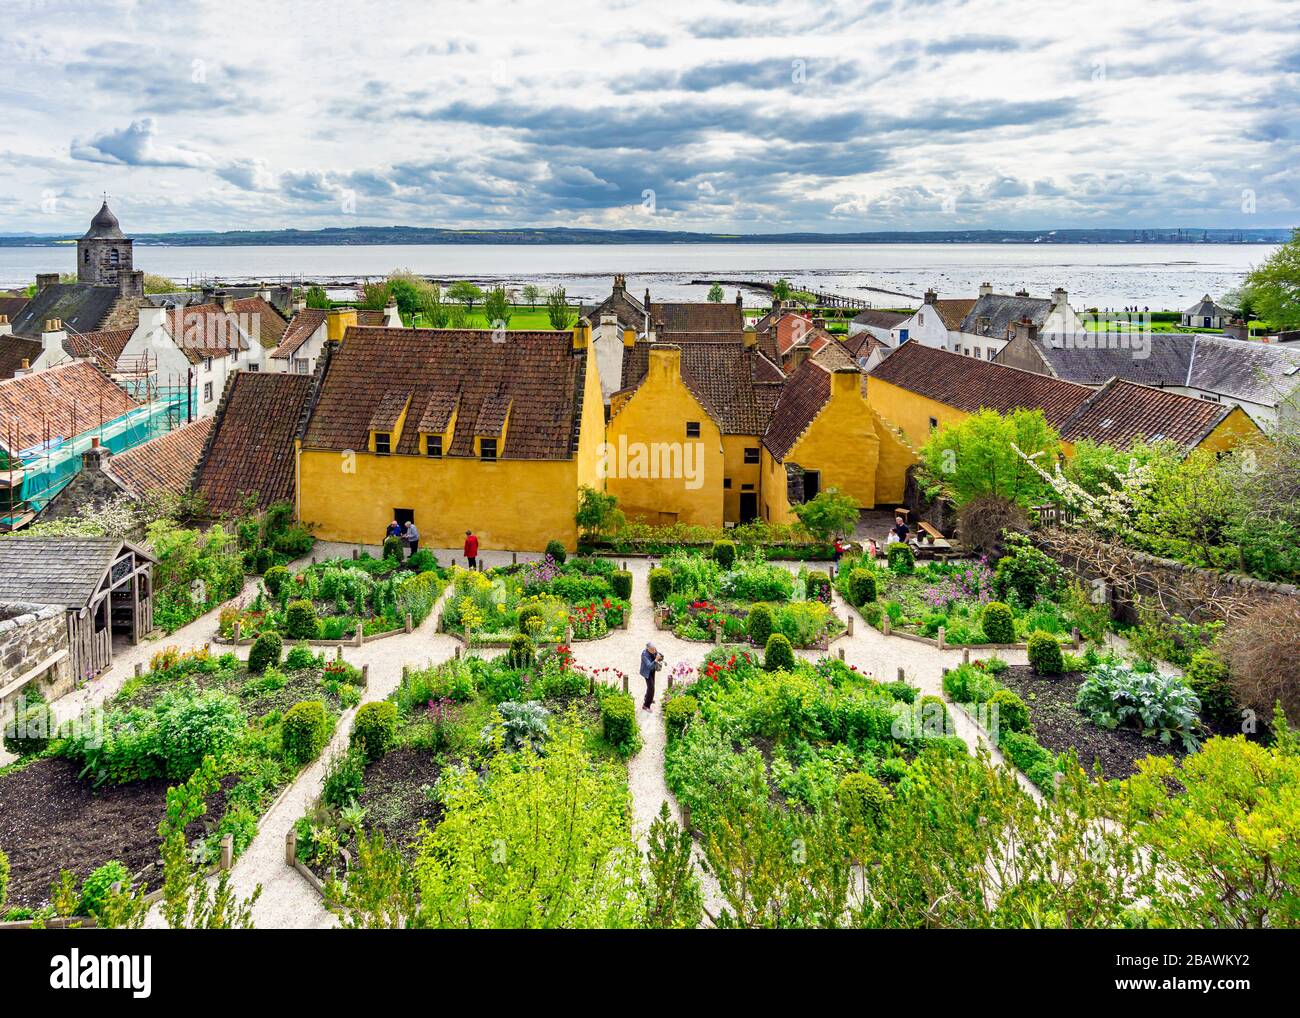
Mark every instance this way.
x=104 y=255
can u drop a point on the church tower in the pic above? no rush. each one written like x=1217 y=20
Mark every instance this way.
x=104 y=255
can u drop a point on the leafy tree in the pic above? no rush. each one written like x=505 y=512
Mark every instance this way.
x=532 y=292
x=781 y=290
x=557 y=307
x=465 y=293
x=828 y=515
x=673 y=898
x=715 y=293
x=318 y=298
x=159 y=284
x=978 y=456
x=496 y=307
x=1272 y=290
x=372 y=294
x=598 y=512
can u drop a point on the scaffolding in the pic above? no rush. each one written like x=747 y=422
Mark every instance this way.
x=30 y=477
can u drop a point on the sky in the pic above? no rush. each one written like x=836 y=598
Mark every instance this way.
x=721 y=115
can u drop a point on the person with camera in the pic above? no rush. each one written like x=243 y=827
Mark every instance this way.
x=651 y=662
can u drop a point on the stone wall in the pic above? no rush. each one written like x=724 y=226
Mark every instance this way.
x=33 y=649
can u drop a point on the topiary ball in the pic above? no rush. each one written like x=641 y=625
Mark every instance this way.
x=265 y=652
x=758 y=627
x=1045 y=654
x=778 y=655
x=1012 y=714
x=998 y=623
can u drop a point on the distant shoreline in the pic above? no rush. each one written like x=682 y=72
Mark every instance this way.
x=374 y=236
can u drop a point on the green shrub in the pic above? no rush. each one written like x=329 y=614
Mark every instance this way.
x=304 y=731
x=521 y=650
x=4 y=878
x=901 y=560
x=661 y=584
x=778 y=655
x=556 y=550
x=344 y=779
x=724 y=553
x=933 y=710
x=423 y=561
x=1025 y=752
x=862 y=799
x=299 y=657
x=817 y=586
x=393 y=548
x=618 y=722
x=1207 y=674
x=1045 y=654
x=300 y=621
x=265 y=652
x=375 y=728
x=263 y=559
x=758 y=627
x=968 y=684
x=1013 y=715
x=860 y=587
x=998 y=623
x=274 y=579
x=621 y=582
x=527 y=612
x=99 y=885
x=29 y=730
x=678 y=713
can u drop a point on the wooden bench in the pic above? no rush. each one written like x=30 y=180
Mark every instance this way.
x=932 y=530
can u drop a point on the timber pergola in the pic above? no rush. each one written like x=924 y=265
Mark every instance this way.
x=104 y=583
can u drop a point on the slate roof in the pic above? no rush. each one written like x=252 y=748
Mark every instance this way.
x=538 y=371
x=971 y=385
x=104 y=226
x=80 y=306
x=250 y=447
x=103 y=346
x=1121 y=412
x=13 y=351
x=629 y=311
x=1002 y=310
x=881 y=319
x=69 y=397
x=300 y=329
x=57 y=570
x=10 y=306
x=165 y=463
x=1207 y=306
x=739 y=387
x=1264 y=373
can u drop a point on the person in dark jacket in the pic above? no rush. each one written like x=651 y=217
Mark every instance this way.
x=651 y=662
x=900 y=529
x=394 y=530
x=471 y=550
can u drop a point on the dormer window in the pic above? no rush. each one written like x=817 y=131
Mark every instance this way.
x=382 y=443
x=487 y=450
x=433 y=446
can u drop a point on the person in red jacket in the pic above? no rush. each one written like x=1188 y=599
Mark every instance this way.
x=471 y=549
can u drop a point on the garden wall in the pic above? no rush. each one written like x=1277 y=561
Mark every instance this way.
x=33 y=647
x=1199 y=595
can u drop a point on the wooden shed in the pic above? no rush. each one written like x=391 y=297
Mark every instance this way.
x=105 y=584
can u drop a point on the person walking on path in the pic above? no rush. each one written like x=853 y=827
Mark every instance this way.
x=412 y=538
x=471 y=549
x=651 y=662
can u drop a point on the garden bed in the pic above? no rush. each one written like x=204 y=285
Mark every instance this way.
x=96 y=792
x=451 y=717
x=339 y=601
x=558 y=601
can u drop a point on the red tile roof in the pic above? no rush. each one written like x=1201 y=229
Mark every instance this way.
x=802 y=397
x=250 y=449
x=165 y=463
x=14 y=350
x=69 y=400
x=205 y=330
x=538 y=372
x=696 y=317
x=1122 y=412
x=103 y=347
x=299 y=330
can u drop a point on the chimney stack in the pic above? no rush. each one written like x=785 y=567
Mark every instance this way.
x=1059 y=297
x=44 y=279
x=131 y=284
x=5 y=328
x=931 y=297
x=53 y=335
x=95 y=457
x=264 y=291
x=986 y=289
x=751 y=337
x=227 y=302
x=620 y=284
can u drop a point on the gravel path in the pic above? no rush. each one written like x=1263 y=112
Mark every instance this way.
x=288 y=901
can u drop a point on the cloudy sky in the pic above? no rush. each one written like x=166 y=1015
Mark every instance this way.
x=673 y=114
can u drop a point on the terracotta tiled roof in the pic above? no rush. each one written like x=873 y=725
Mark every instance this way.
x=706 y=317
x=739 y=387
x=491 y=416
x=437 y=414
x=268 y=325
x=12 y=306
x=970 y=384
x=165 y=463
x=538 y=372
x=389 y=409
x=952 y=310
x=13 y=351
x=250 y=447
x=299 y=330
x=103 y=347
x=862 y=345
x=370 y=319
x=802 y=397
x=1121 y=412
x=71 y=398
x=205 y=330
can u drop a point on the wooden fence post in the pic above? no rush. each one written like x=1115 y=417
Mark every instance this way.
x=360 y=637
x=514 y=558
x=291 y=846
x=227 y=851
x=1075 y=634
x=410 y=622
x=355 y=554
x=406 y=671
x=139 y=669
x=884 y=623
x=625 y=683
x=941 y=638
x=236 y=632
x=850 y=629
x=365 y=675
x=841 y=653
x=901 y=677
x=338 y=655
x=965 y=656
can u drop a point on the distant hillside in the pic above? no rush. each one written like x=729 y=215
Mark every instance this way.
x=372 y=235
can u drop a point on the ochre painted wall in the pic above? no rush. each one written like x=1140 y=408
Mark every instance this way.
x=1237 y=427
x=652 y=420
x=909 y=412
x=515 y=504
x=740 y=472
x=774 y=504
x=592 y=432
